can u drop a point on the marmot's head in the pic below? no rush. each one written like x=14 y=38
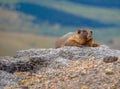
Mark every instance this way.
x=84 y=34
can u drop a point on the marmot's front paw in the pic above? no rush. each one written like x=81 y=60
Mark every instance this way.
x=96 y=44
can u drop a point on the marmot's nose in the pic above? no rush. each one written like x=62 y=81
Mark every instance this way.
x=89 y=37
x=84 y=31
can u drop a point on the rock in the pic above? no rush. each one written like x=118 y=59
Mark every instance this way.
x=7 y=79
x=109 y=59
x=84 y=87
x=71 y=53
x=109 y=71
x=32 y=60
x=11 y=65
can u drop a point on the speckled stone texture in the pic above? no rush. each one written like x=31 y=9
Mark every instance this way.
x=34 y=59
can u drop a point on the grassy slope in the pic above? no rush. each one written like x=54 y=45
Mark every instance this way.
x=10 y=42
x=16 y=21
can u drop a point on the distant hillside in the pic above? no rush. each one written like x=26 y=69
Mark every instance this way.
x=53 y=18
x=57 y=17
x=11 y=42
x=61 y=12
x=99 y=3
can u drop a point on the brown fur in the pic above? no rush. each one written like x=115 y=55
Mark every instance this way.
x=61 y=41
x=79 y=38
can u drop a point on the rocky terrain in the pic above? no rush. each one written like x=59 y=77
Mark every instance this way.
x=63 y=68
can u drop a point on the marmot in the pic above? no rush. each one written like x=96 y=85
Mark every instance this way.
x=79 y=38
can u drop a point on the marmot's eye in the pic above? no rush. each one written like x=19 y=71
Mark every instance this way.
x=91 y=31
x=79 y=31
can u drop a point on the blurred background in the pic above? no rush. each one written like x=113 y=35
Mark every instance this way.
x=28 y=24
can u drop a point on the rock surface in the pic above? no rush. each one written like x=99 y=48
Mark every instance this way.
x=33 y=60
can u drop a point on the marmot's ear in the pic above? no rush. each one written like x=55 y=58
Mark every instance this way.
x=78 y=31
